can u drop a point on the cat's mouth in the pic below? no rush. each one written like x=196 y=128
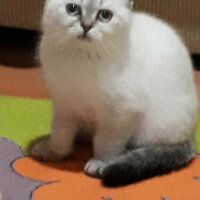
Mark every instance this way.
x=84 y=37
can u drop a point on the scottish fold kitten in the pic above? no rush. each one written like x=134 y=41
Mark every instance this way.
x=126 y=77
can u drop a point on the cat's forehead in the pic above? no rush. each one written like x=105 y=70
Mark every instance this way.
x=92 y=4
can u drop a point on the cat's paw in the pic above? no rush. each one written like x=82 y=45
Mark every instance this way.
x=42 y=151
x=94 y=168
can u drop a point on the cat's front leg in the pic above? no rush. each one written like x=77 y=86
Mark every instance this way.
x=109 y=141
x=60 y=143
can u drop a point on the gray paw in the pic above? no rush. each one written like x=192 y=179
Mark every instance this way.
x=94 y=168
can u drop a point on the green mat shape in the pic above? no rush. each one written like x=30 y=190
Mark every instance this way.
x=23 y=120
x=198 y=135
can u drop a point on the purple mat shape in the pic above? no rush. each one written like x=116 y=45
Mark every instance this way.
x=12 y=185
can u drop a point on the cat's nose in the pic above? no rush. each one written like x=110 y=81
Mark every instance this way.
x=86 y=28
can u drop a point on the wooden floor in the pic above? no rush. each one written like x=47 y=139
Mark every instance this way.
x=18 y=74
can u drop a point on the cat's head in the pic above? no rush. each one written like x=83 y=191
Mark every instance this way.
x=89 y=20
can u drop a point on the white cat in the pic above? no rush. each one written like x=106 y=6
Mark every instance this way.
x=128 y=78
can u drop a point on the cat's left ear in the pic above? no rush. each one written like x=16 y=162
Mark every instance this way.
x=130 y=3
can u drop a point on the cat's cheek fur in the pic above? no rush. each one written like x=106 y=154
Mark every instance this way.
x=95 y=35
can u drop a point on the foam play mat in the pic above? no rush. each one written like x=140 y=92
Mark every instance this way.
x=22 y=178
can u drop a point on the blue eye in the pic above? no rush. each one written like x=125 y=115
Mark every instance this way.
x=73 y=9
x=104 y=15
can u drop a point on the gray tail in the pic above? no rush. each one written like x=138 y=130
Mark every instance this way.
x=146 y=162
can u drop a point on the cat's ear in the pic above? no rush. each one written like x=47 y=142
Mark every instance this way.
x=130 y=3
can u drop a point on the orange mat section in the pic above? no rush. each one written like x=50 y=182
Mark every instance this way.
x=22 y=82
x=69 y=182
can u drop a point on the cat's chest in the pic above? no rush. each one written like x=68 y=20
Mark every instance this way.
x=84 y=83
x=78 y=85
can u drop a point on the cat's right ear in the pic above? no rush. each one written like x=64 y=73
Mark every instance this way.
x=130 y=3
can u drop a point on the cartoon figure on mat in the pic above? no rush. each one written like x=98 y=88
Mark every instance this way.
x=127 y=79
x=103 y=198
x=16 y=186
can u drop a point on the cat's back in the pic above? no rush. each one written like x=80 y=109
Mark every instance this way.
x=163 y=63
x=158 y=48
x=154 y=36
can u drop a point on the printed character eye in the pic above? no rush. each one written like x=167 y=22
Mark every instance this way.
x=104 y=15
x=73 y=9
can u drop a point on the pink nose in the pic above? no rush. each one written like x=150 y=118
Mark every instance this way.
x=86 y=28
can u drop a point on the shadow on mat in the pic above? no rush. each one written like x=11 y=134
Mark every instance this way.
x=75 y=162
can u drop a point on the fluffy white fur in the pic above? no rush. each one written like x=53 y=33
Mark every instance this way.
x=131 y=83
